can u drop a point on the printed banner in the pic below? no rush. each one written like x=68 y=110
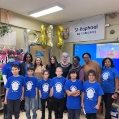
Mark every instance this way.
x=92 y=28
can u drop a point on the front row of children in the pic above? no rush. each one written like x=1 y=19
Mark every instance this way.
x=53 y=92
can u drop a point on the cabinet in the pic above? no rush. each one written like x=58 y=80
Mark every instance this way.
x=2 y=94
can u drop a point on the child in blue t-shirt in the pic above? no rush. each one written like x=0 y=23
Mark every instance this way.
x=44 y=90
x=91 y=96
x=73 y=88
x=30 y=91
x=14 y=93
x=57 y=92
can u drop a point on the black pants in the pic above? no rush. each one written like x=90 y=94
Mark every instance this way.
x=5 y=111
x=107 y=97
x=22 y=105
x=65 y=105
x=43 y=104
x=74 y=113
x=13 y=108
x=59 y=107
x=91 y=116
x=5 y=108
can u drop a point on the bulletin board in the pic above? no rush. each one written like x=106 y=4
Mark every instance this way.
x=38 y=51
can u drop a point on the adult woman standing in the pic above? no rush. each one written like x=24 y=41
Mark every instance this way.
x=39 y=68
x=27 y=62
x=109 y=82
x=90 y=65
x=38 y=72
x=51 y=67
x=65 y=63
x=76 y=65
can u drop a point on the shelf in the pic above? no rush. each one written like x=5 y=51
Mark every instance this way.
x=2 y=95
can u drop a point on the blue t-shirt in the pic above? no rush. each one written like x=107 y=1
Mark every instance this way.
x=108 y=79
x=73 y=102
x=91 y=93
x=15 y=84
x=57 y=83
x=44 y=87
x=30 y=85
x=6 y=70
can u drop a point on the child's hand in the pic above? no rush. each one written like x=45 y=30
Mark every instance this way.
x=22 y=98
x=114 y=96
x=97 y=106
x=36 y=97
x=77 y=93
x=5 y=101
x=82 y=105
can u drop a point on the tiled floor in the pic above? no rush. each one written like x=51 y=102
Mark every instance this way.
x=23 y=116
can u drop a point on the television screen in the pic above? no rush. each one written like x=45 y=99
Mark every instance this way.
x=98 y=52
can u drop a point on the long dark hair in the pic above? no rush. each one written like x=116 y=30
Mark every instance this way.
x=72 y=71
x=24 y=59
x=50 y=64
x=107 y=58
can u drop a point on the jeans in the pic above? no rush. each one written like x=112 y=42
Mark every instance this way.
x=91 y=116
x=38 y=102
x=74 y=113
x=13 y=108
x=30 y=104
x=59 y=107
x=107 y=97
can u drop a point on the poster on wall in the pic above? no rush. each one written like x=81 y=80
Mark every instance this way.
x=91 y=28
x=38 y=51
x=108 y=50
x=9 y=39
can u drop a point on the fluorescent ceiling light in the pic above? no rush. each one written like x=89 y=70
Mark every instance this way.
x=47 y=11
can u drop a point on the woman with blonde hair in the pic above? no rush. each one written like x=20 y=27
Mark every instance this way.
x=38 y=72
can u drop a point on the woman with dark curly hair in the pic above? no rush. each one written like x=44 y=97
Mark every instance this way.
x=109 y=82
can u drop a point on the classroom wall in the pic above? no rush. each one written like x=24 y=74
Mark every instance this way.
x=19 y=24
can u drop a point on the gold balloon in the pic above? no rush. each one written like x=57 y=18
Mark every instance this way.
x=43 y=36
x=50 y=36
x=60 y=30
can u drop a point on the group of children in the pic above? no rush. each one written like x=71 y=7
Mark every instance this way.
x=85 y=95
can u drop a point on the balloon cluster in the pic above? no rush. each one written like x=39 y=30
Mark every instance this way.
x=60 y=31
x=46 y=36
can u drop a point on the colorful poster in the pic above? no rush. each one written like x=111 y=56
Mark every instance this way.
x=108 y=50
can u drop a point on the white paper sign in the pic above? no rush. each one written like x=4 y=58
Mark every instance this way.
x=9 y=39
x=91 y=28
